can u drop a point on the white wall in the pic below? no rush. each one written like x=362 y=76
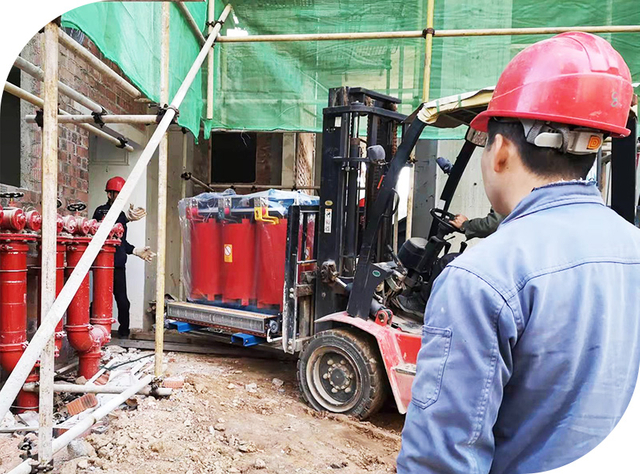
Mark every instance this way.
x=106 y=161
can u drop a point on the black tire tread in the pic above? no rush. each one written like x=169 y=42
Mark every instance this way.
x=368 y=347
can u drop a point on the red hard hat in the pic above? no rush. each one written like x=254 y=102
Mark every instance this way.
x=115 y=184
x=573 y=78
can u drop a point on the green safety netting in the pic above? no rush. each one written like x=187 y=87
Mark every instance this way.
x=284 y=86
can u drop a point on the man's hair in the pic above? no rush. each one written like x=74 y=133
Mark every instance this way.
x=543 y=162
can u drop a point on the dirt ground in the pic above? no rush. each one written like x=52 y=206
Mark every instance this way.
x=232 y=416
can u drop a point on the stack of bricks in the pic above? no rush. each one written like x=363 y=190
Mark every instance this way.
x=73 y=141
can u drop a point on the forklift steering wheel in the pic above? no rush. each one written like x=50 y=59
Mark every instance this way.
x=444 y=218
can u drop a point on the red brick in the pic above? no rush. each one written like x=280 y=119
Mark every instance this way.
x=173 y=382
x=86 y=401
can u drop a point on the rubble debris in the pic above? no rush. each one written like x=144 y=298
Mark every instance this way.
x=115 y=349
x=79 y=447
x=251 y=387
x=259 y=464
x=81 y=380
x=277 y=383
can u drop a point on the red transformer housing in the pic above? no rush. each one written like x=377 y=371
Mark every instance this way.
x=270 y=257
x=206 y=256
x=238 y=262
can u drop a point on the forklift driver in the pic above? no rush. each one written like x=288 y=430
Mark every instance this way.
x=531 y=339
x=480 y=227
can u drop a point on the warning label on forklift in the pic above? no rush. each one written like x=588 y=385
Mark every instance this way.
x=327 y=221
x=228 y=253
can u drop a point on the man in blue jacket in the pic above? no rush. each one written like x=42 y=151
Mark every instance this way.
x=531 y=342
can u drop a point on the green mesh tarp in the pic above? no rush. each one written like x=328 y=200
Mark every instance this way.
x=129 y=34
x=284 y=86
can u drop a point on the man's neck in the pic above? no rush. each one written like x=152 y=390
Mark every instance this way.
x=523 y=187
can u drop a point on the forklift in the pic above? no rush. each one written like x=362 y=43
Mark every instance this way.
x=352 y=307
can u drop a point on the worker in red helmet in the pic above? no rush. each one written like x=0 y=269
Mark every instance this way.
x=531 y=339
x=113 y=188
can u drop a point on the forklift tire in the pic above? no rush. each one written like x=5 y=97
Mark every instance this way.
x=340 y=371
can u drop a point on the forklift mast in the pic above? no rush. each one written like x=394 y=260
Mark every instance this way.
x=350 y=175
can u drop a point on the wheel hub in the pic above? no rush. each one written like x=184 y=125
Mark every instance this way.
x=338 y=375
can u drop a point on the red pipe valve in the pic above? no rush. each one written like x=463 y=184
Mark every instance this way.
x=94 y=225
x=84 y=226
x=117 y=232
x=34 y=221
x=13 y=218
x=70 y=224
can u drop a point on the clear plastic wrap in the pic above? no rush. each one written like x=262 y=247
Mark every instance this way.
x=235 y=247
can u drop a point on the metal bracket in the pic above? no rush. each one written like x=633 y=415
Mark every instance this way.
x=123 y=142
x=97 y=117
x=163 y=110
x=39 y=118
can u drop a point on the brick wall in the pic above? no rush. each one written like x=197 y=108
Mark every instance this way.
x=73 y=141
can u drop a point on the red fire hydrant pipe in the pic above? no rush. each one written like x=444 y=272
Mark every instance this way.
x=79 y=331
x=87 y=336
x=13 y=308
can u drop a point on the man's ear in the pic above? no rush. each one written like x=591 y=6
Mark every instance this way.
x=503 y=152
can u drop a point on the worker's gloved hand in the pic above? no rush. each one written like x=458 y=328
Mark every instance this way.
x=459 y=221
x=135 y=214
x=144 y=253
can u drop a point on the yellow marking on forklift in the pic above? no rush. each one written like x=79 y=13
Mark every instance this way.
x=228 y=253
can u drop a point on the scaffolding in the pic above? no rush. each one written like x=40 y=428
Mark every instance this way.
x=53 y=309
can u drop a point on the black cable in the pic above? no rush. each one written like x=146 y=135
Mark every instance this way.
x=125 y=363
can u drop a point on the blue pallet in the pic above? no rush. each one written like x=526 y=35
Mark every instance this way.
x=181 y=326
x=247 y=340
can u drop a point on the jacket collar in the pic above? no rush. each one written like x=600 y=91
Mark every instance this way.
x=556 y=194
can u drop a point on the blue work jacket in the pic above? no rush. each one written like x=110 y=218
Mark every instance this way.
x=531 y=341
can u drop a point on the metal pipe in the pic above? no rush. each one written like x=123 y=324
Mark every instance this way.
x=183 y=194
x=191 y=22
x=73 y=388
x=16 y=379
x=426 y=83
x=49 y=234
x=83 y=425
x=210 y=18
x=163 y=155
x=72 y=45
x=38 y=73
x=137 y=119
x=186 y=176
x=38 y=102
x=422 y=34
x=251 y=186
